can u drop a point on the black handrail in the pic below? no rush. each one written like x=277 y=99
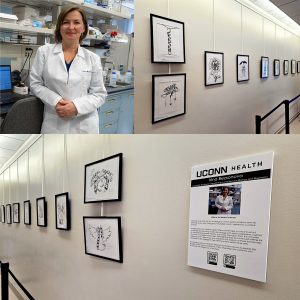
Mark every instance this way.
x=286 y=103
x=4 y=282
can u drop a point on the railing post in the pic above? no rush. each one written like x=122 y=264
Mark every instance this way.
x=4 y=280
x=287 y=116
x=258 y=124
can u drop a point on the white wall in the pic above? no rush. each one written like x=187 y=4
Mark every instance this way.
x=230 y=108
x=154 y=211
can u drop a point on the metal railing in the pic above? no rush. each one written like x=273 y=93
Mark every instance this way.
x=286 y=103
x=5 y=272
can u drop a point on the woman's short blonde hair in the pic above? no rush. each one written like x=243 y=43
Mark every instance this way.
x=61 y=18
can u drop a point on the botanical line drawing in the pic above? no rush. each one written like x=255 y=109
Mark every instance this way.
x=100 y=235
x=215 y=68
x=169 y=34
x=101 y=180
x=170 y=91
x=61 y=213
x=41 y=211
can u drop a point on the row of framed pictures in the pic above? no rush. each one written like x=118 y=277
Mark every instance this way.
x=11 y=213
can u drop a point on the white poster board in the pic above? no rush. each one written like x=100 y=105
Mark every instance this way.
x=229 y=216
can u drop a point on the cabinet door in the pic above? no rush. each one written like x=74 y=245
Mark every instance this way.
x=125 y=124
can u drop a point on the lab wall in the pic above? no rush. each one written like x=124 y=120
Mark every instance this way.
x=155 y=213
x=221 y=26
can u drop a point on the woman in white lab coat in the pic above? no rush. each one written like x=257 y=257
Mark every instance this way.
x=68 y=78
x=224 y=203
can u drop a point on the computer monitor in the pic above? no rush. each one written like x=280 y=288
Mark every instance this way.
x=5 y=78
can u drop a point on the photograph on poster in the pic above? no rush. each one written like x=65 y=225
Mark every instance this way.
x=2 y=214
x=214 y=68
x=298 y=66
x=285 y=67
x=27 y=212
x=168 y=96
x=8 y=213
x=62 y=211
x=41 y=211
x=103 y=237
x=276 y=67
x=264 y=67
x=167 y=40
x=103 y=179
x=224 y=200
x=229 y=216
x=293 y=67
x=242 y=68
x=16 y=212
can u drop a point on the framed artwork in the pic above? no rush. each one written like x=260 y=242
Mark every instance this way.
x=242 y=65
x=27 y=212
x=293 y=66
x=168 y=96
x=214 y=68
x=103 y=237
x=8 y=213
x=285 y=67
x=103 y=179
x=2 y=214
x=16 y=212
x=276 y=67
x=41 y=211
x=298 y=66
x=167 y=40
x=62 y=211
x=264 y=67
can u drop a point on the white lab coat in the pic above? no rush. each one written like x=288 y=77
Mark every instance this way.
x=50 y=81
x=226 y=203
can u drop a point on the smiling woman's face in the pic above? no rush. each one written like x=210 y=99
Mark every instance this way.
x=72 y=27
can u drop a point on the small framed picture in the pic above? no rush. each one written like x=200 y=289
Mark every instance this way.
x=16 y=212
x=103 y=237
x=168 y=96
x=243 y=67
x=62 y=211
x=276 y=67
x=2 y=214
x=41 y=211
x=285 y=67
x=298 y=66
x=293 y=67
x=27 y=212
x=167 y=40
x=103 y=180
x=264 y=67
x=8 y=213
x=214 y=68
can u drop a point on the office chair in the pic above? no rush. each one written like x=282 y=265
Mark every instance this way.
x=25 y=116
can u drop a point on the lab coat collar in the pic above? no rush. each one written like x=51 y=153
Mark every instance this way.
x=58 y=49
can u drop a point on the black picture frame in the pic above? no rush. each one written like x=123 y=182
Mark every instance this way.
x=276 y=67
x=62 y=211
x=242 y=68
x=41 y=212
x=214 y=68
x=164 y=86
x=164 y=31
x=264 y=67
x=285 y=67
x=27 y=212
x=16 y=212
x=2 y=214
x=103 y=180
x=103 y=237
x=298 y=67
x=293 y=67
x=8 y=214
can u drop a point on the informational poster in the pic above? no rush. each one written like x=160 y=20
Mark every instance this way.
x=229 y=216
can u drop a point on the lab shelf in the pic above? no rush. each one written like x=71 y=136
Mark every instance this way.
x=30 y=29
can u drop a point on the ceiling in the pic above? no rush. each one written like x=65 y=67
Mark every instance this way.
x=290 y=7
x=9 y=144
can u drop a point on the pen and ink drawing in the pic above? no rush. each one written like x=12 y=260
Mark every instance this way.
x=286 y=67
x=168 y=96
x=100 y=235
x=167 y=38
x=276 y=67
x=264 y=67
x=8 y=213
x=103 y=179
x=2 y=214
x=62 y=211
x=27 y=212
x=16 y=218
x=242 y=68
x=214 y=68
x=293 y=67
